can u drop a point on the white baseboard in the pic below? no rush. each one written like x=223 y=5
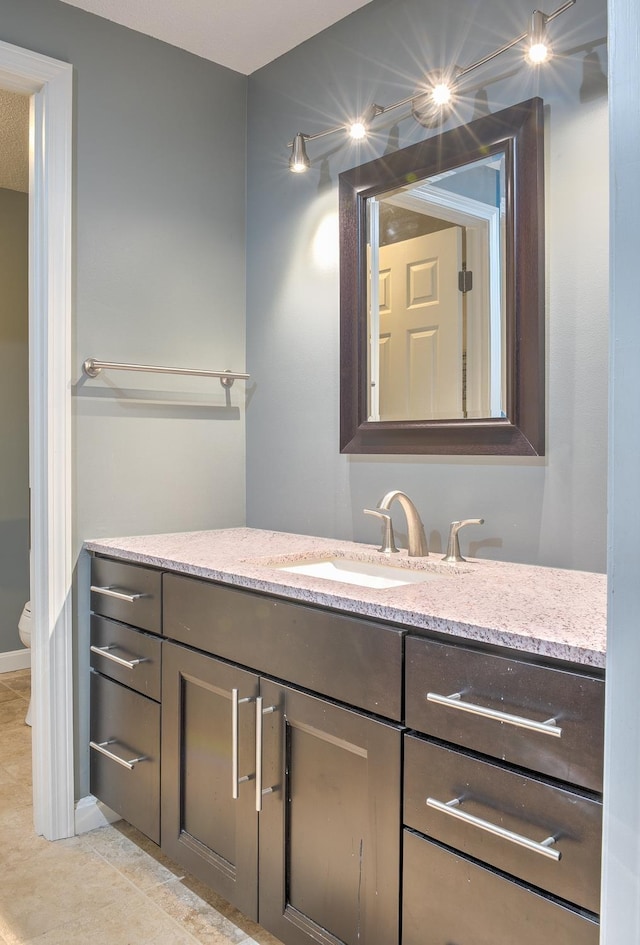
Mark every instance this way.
x=91 y=813
x=15 y=659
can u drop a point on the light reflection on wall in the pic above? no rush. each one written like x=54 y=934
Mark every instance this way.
x=324 y=247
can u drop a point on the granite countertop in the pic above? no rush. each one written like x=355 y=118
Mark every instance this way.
x=548 y=611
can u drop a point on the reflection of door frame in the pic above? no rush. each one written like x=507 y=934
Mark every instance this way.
x=467 y=212
x=50 y=87
x=373 y=321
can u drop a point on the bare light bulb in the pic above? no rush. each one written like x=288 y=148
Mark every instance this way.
x=358 y=130
x=538 y=53
x=441 y=94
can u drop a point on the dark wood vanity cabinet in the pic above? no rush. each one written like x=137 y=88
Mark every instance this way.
x=495 y=851
x=330 y=823
x=340 y=781
x=310 y=844
x=125 y=691
x=203 y=827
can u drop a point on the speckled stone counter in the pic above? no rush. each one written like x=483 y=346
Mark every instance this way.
x=547 y=611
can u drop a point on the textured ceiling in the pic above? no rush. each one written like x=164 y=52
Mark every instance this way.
x=241 y=34
x=14 y=141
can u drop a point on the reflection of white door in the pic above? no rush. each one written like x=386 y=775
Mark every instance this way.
x=421 y=338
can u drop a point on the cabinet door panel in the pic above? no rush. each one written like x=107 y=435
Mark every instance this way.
x=204 y=828
x=330 y=830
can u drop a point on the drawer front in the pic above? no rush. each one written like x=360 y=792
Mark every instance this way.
x=516 y=692
x=530 y=809
x=127 y=592
x=449 y=899
x=352 y=660
x=130 y=724
x=129 y=656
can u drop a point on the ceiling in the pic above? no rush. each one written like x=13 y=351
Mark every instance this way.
x=241 y=34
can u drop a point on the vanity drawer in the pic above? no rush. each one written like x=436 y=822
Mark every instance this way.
x=449 y=899
x=129 y=724
x=498 y=698
x=129 y=656
x=345 y=658
x=127 y=592
x=509 y=800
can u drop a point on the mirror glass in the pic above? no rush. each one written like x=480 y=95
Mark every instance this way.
x=435 y=296
x=442 y=292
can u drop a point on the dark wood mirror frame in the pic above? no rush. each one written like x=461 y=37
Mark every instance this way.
x=518 y=131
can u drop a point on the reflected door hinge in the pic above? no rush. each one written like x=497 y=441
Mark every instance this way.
x=465 y=280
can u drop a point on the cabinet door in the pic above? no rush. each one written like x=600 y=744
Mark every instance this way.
x=330 y=822
x=203 y=827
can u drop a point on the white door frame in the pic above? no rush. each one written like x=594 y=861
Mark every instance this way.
x=50 y=85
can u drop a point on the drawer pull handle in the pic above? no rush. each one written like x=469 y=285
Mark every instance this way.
x=105 y=651
x=236 y=781
x=455 y=701
x=260 y=713
x=102 y=748
x=544 y=848
x=112 y=591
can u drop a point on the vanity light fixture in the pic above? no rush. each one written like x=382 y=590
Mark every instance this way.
x=538 y=50
x=430 y=104
x=299 y=160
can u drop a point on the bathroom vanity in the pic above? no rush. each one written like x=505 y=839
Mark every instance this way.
x=420 y=764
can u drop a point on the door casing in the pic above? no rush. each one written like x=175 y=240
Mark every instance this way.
x=49 y=83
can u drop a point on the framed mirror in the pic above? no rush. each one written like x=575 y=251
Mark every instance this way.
x=442 y=293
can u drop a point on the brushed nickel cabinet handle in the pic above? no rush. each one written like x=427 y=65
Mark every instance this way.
x=455 y=701
x=235 y=780
x=452 y=809
x=105 y=651
x=112 y=591
x=260 y=714
x=102 y=748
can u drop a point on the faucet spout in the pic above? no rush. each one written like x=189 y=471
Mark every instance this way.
x=418 y=547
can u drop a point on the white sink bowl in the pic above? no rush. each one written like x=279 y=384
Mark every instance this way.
x=362 y=573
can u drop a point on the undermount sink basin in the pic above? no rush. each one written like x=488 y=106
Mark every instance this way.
x=362 y=573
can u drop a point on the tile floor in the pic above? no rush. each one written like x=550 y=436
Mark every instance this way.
x=111 y=886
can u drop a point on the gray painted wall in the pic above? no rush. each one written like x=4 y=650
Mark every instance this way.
x=159 y=270
x=549 y=510
x=159 y=226
x=14 y=415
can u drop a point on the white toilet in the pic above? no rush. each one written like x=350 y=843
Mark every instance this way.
x=24 y=629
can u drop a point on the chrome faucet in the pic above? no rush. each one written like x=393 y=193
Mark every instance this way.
x=417 y=542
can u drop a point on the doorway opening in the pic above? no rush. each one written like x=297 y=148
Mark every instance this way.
x=14 y=382
x=48 y=83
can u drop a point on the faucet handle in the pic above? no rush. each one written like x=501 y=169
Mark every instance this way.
x=388 y=545
x=453 y=555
